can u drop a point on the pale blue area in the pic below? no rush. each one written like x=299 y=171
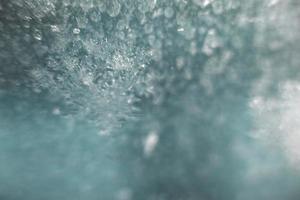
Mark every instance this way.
x=77 y=107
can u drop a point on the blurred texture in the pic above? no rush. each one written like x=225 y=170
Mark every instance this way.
x=149 y=99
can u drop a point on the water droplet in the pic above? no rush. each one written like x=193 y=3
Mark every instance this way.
x=102 y=6
x=66 y=2
x=113 y=8
x=169 y=12
x=86 y=4
x=76 y=31
x=37 y=34
x=121 y=24
x=150 y=143
x=193 y=48
x=180 y=29
x=151 y=4
x=104 y=132
x=273 y=2
x=151 y=40
x=202 y=3
x=82 y=21
x=179 y=62
x=54 y=28
x=218 y=7
x=124 y=194
x=148 y=28
x=211 y=42
x=157 y=13
x=56 y=111
x=95 y=16
x=87 y=79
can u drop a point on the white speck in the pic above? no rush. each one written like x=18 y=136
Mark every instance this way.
x=150 y=143
x=256 y=102
x=56 y=111
x=54 y=28
x=87 y=79
x=27 y=18
x=37 y=35
x=273 y=3
x=76 y=31
x=202 y=3
x=151 y=4
x=103 y=132
x=121 y=62
x=157 y=13
x=180 y=29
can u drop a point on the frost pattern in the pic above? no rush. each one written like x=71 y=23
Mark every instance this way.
x=87 y=55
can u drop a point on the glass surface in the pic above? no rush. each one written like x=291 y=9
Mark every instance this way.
x=149 y=99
